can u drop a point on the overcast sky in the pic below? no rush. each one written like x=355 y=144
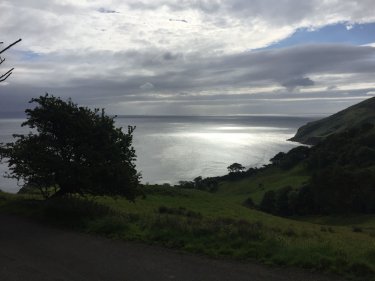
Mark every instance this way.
x=194 y=57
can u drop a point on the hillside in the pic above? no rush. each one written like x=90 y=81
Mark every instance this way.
x=352 y=117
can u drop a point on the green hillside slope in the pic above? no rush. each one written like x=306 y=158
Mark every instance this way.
x=352 y=117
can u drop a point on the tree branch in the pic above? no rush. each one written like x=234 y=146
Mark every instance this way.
x=11 y=45
x=6 y=75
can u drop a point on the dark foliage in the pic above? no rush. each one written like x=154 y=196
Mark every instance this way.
x=268 y=203
x=234 y=176
x=186 y=184
x=180 y=211
x=283 y=202
x=343 y=177
x=343 y=189
x=72 y=149
x=235 y=168
x=73 y=211
x=290 y=159
x=249 y=203
x=209 y=184
x=343 y=172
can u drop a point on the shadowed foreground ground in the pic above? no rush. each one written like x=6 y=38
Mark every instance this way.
x=30 y=251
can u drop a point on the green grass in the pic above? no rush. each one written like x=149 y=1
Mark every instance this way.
x=351 y=117
x=216 y=224
x=272 y=178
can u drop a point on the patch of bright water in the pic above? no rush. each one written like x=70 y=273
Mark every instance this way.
x=171 y=148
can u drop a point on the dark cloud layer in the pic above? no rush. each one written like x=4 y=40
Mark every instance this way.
x=298 y=82
x=207 y=80
x=176 y=57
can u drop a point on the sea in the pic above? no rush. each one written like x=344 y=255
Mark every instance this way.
x=177 y=148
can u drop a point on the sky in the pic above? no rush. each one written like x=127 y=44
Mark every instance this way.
x=197 y=57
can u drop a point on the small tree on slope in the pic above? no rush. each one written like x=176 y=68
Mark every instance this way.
x=235 y=168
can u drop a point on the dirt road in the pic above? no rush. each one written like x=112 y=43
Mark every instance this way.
x=33 y=252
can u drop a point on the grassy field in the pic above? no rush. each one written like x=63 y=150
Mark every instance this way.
x=218 y=225
x=269 y=179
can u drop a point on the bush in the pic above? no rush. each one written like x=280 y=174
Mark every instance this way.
x=249 y=203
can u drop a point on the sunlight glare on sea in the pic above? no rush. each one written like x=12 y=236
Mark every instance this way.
x=174 y=148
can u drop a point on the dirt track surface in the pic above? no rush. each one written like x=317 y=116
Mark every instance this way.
x=33 y=252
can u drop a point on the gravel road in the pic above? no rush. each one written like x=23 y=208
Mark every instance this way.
x=33 y=252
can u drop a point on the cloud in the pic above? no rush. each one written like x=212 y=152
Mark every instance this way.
x=147 y=86
x=170 y=56
x=331 y=87
x=113 y=77
x=213 y=59
x=219 y=26
x=298 y=82
x=106 y=11
x=288 y=12
x=179 y=20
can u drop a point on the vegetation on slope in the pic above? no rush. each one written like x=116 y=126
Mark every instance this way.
x=342 y=177
x=211 y=224
x=352 y=117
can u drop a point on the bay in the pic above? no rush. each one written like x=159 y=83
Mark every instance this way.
x=174 y=148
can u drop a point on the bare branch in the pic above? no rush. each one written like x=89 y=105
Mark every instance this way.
x=11 y=45
x=6 y=75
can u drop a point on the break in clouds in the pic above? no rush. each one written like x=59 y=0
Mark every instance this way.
x=185 y=57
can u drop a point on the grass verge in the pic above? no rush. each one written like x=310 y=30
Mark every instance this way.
x=208 y=224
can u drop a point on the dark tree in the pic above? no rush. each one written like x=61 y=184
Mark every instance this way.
x=268 y=203
x=291 y=158
x=198 y=181
x=186 y=184
x=276 y=160
x=249 y=203
x=72 y=150
x=235 y=168
x=5 y=75
x=282 y=203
